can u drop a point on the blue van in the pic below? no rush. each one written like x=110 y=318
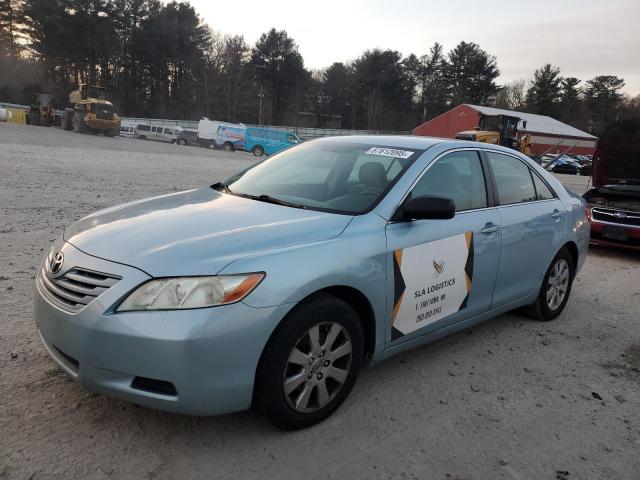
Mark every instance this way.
x=261 y=140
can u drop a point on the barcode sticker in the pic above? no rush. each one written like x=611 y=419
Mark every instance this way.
x=389 y=152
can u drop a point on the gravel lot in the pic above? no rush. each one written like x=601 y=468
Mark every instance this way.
x=511 y=398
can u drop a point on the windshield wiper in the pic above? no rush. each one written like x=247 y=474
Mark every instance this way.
x=269 y=199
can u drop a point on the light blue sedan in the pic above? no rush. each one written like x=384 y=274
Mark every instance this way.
x=275 y=287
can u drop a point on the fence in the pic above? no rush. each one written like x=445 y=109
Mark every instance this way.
x=304 y=133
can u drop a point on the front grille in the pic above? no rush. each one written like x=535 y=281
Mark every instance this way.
x=619 y=217
x=76 y=288
x=104 y=112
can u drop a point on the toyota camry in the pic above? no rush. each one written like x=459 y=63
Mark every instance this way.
x=275 y=287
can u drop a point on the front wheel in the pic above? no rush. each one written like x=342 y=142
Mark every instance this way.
x=258 y=151
x=182 y=142
x=310 y=364
x=228 y=147
x=556 y=288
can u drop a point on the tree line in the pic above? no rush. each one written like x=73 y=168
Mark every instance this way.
x=160 y=59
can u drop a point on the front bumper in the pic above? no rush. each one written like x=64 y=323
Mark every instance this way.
x=632 y=241
x=209 y=355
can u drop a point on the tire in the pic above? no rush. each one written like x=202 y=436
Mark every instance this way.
x=79 y=125
x=228 y=147
x=258 y=150
x=34 y=119
x=182 y=142
x=330 y=364
x=67 y=119
x=142 y=137
x=112 y=132
x=557 y=280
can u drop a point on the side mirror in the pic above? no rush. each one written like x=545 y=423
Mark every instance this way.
x=428 y=208
x=524 y=125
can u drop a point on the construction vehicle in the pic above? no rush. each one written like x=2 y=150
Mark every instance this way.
x=91 y=112
x=500 y=130
x=41 y=111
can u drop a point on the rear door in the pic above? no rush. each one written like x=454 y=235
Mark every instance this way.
x=444 y=270
x=533 y=223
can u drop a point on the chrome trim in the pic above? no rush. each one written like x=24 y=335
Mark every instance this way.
x=74 y=289
x=476 y=149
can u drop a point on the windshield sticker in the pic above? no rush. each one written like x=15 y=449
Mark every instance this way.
x=432 y=281
x=389 y=152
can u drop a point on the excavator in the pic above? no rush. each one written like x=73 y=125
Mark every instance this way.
x=500 y=130
x=91 y=112
x=41 y=112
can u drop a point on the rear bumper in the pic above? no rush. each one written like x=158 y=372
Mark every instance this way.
x=209 y=356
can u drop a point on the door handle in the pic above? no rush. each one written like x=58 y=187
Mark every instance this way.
x=490 y=228
x=556 y=213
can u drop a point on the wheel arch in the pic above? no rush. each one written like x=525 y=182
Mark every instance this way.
x=356 y=300
x=572 y=248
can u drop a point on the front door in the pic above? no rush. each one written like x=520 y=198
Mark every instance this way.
x=443 y=271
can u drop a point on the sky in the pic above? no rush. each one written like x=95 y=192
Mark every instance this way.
x=584 y=38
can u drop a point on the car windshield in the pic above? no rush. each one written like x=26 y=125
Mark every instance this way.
x=332 y=176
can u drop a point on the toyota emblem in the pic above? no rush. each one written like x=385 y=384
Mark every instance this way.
x=56 y=262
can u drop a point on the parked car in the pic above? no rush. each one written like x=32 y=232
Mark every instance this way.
x=261 y=140
x=127 y=130
x=187 y=136
x=565 y=164
x=158 y=133
x=276 y=286
x=142 y=131
x=614 y=200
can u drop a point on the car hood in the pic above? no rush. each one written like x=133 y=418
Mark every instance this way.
x=197 y=232
x=617 y=165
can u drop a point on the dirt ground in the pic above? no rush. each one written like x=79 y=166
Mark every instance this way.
x=512 y=398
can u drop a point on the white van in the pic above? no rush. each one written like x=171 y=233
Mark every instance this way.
x=207 y=130
x=158 y=133
x=127 y=130
x=228 y=136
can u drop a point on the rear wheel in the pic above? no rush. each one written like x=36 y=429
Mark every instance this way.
x=34 y=119
x=310 y=364
x=67 y=119
x=182 y=142
x=79 y=125
x=228 y=147
x=258 y=151
x=556 y=288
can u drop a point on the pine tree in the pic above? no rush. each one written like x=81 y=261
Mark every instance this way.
x=544 y=94
x=471 y=74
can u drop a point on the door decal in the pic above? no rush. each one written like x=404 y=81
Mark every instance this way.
x=431 y=281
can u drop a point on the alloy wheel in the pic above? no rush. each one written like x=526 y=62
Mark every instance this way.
x=318 y=367
x=557 y=284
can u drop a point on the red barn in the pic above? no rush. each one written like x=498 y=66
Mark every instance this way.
x=548 y=134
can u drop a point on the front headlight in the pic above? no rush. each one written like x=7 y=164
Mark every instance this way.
x=190 y=292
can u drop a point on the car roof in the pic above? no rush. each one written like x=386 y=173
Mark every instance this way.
x=410 y=141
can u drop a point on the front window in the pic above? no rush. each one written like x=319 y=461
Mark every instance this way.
x=333 y=176
x=457 y=176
